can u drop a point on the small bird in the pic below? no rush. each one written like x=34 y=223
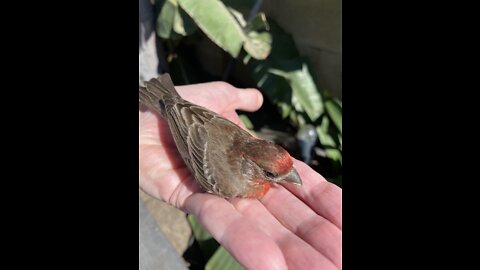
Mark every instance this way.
x=224 y=159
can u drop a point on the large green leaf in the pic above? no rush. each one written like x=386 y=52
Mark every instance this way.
x=215 y=20
x=222 y=260
x=305 y=92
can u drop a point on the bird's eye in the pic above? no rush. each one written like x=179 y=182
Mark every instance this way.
x=270 y=174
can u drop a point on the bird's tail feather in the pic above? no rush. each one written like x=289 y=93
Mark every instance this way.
x=152 y=95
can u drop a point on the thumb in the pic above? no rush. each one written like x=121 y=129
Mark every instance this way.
x=248 y=99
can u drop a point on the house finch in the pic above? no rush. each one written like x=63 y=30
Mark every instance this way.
x=225 y=159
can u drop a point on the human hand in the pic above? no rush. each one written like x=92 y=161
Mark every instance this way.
x=294 y=227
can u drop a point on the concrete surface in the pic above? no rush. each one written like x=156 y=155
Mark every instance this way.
x=170 y=220
x=156 y=252
x=316 y=26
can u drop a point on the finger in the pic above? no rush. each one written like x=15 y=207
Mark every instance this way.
x=250 y=246
x=300 y=219
x=298 y=253
x=323 y=197
x=248 y=100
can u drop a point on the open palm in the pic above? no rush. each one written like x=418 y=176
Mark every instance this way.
x=290 y=227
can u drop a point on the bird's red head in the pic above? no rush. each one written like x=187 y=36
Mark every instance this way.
x=274 y=162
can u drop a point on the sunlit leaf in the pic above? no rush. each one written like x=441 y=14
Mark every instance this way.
x=258 y=45
x=216 y=21
x=305 y=91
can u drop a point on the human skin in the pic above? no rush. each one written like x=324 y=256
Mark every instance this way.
x=294 y=227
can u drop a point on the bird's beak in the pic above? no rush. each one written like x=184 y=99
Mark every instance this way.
x=293 y=178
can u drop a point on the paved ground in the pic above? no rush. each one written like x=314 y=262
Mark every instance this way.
x=174 y=236
x=171 y=221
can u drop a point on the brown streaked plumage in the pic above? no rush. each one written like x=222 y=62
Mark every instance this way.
x=225 y=159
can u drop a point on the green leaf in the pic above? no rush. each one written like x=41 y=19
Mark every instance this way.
x=182 y=23
x=285 y=108
x=239 y=16
x=327 y=141
x=258 y=45
x=248 y=124
x=213 y=17
x=301 y=121
x=334 y=154
x=208 y=245
x=285 y=78
x=335 y=112
x=305 y=92
x=222 y=260
x=198 y=231
x=323 y=135
x=165 y=19
x=246 y=59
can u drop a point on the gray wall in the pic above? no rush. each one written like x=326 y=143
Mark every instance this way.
x=316 y=26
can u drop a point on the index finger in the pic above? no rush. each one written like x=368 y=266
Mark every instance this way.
x=323 y=197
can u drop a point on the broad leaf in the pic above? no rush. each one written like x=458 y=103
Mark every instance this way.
x=305 y=92
x=216 y=21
